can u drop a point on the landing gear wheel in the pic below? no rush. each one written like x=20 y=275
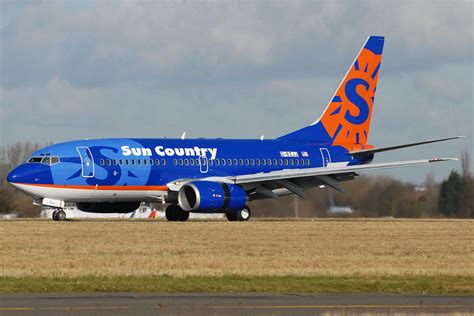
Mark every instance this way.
x=174 y=213
x=244 y=214
x=59 y=215
x=231 y=216
x=184 y=216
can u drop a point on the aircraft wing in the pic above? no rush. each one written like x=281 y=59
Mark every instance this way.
x=267 y=182
x=328 y=171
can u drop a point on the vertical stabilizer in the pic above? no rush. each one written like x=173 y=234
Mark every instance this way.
x=346 y=119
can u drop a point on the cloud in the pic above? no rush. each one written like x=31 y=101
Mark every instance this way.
x=105 y=43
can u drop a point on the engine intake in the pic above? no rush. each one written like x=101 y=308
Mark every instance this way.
x=211 y=196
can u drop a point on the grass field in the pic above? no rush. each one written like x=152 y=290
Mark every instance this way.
x=401 y=256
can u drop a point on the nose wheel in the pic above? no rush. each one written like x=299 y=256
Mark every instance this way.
x=59 y=215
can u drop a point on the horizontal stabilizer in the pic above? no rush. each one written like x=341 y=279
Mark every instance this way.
x=381 y=149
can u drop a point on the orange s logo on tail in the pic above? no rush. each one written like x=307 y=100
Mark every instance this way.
x=346 y=120
x=347 y=117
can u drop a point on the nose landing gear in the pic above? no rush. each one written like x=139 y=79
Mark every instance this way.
x=59 y=215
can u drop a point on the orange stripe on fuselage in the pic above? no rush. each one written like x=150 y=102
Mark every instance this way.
x=103 y=187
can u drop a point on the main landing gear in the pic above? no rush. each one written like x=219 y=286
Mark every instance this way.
x=242 y=216
x=59 y=215
x=174 y=213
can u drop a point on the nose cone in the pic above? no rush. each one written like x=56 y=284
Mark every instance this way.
x=30 y=173
x=12 y=176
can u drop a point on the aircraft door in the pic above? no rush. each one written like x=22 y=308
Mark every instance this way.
x=203 y=164
x=87 y=162
x=326 y=156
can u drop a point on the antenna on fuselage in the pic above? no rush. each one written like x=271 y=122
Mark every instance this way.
x=183 y=136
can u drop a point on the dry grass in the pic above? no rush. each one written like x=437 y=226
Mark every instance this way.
x=303 y=248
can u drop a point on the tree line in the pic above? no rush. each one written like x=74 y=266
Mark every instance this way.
x=12 y=200
x=367 y=196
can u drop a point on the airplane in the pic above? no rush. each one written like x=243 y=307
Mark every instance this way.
x=217 y=175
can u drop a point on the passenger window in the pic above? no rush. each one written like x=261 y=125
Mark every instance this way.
x=264 y=162
x=175 y=162
x=286 y=162
x=229 y=162
x=198 y=163
x=163 y=162
x=307 y=162
x=157 y=162
x=102 y=162
x=186 y=162
x=257 y=161
x=235 y=162
x=145 y=162
x=247 y=162
x=223 y=162
x=133 y=162
x=152 y=162
x=269 y=162
x=181 y=162
x=281 y=162
x=218 y=162
x=292 y=162
x=139 y=162
x=191 y=162
x=297 y=162
x=115 y=162
x=109 y=162
x=275 y=162
x=120 y=161
x=252 y=162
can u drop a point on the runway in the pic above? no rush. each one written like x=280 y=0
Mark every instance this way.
x=230 y=304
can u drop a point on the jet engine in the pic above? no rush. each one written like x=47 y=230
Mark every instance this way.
x=108 y=207
x=211 y=196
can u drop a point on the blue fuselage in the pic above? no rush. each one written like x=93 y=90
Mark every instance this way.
x=157 y=162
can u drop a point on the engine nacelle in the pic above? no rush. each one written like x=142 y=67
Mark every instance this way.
x=211 y=196
x=108 y=207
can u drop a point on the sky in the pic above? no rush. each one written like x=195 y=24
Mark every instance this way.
x=234 y=69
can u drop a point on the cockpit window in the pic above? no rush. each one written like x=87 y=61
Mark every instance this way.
x=35 y=159
x=44 y=160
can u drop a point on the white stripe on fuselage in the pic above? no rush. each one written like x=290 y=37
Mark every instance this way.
x=86 y=195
